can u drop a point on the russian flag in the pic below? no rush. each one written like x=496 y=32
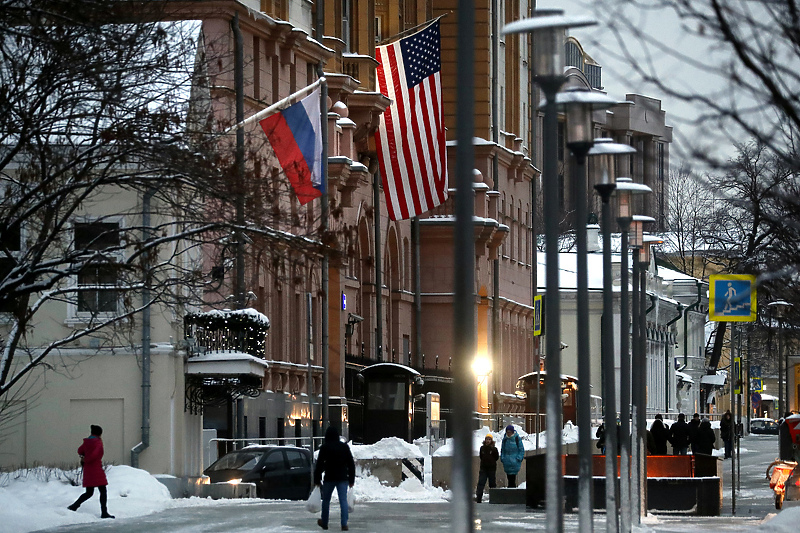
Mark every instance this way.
x=295 y=134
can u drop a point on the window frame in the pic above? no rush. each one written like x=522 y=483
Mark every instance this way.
x=74 y=314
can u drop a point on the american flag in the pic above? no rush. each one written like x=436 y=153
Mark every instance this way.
x=411 y=137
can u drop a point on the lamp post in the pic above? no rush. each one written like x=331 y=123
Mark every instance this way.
x=640 y=362
x=579 y=105
x=781 y=307
x=638 y=441
x=548 y=68
x=625 y=191
x=606 y=150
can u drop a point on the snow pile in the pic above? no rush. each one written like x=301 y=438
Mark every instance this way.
x=370 y=489
x=29 y=503
x=387 y=448
x=528 y=439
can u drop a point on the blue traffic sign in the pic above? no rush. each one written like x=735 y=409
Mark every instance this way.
x=732 y=298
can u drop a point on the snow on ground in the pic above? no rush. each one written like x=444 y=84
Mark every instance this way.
x=31 y=500
x=782 y=522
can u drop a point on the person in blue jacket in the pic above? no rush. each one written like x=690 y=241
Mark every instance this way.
x=512 y=452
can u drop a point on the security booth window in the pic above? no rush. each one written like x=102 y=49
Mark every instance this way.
x=387 y=396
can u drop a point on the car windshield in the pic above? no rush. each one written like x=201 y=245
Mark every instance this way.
x=237 y=461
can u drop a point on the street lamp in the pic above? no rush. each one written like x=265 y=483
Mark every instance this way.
x=579 y=105
x=641 y=261
x=548 y=29
x=781 y=307
x=606 y=151
x=625 y=191
x=638 y=442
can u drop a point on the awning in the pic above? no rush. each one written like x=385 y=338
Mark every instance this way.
x=684 y=377
x=226 y=364
x=714 y=379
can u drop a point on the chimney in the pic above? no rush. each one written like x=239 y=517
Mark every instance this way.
x=592 y=238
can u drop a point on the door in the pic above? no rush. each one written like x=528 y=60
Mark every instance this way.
x=299 y=477
x=272 y=482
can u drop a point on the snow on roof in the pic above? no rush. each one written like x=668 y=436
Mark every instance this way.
x=249 y=312
x=686 y=378
x=717 y=379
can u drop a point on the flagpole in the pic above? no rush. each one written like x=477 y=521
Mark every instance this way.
x=323 y=109
x=418 y=27
x=283 y=103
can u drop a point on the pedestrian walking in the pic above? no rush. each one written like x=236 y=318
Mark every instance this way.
x=601 y=438
x=679 y=435
x=335 y=460
x=488 y=466
x=660 y=435
x=705 y=442
x=694 y=425
x=512 y=452
x=91 y=453
x=726 y=432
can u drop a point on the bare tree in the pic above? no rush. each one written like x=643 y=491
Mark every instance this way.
x=689 y=222
x=117 y=189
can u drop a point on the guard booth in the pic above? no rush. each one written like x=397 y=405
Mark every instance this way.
x=388 y=401
x=533 y=385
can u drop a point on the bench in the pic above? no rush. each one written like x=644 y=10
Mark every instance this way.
x=689 y=484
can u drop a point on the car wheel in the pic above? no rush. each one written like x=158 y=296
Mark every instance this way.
x=779 y=500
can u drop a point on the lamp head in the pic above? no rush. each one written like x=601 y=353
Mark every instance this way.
x=579 y=103
x=605 y=149
x=625 y=191
x=548 y=27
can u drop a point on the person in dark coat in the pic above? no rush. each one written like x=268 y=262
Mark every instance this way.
x=335 y=460
x=660 y=435
x=694 y=425
x=726 y=432
x=705 y=440
x=91 y=453
x=488 y=455
x=601 y=438
x=679 y=435
x=512 y=452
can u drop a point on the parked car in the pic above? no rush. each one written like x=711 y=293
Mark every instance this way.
x=279 y=472
x=763 y=426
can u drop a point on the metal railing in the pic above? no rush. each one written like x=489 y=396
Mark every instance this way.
x=228 y=445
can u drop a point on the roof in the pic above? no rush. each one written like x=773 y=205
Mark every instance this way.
x=389 y=367
x=714 y=379
x=543 y=373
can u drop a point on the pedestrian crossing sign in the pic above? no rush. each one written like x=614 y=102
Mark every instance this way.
x=732 y=298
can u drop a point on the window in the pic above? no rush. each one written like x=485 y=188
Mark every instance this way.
x=297 y=459
x=10 y=245
x=386 y=396
x=100 y=270
x=346 y=17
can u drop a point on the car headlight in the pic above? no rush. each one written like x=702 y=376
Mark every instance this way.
x=234 y=481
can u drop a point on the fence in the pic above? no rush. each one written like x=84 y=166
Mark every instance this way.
x=228 y=445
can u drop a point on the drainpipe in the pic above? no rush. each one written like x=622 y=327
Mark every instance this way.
x=667 y=365
x=145 y=443
x=495 y=352
x=686 y=324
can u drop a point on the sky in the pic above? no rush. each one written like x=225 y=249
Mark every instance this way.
x=666 y=55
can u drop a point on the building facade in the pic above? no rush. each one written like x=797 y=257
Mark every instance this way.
x=387 y=289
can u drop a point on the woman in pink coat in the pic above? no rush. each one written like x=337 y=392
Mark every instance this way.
x=91 y=452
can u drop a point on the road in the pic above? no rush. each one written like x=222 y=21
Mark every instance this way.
x=754 y=503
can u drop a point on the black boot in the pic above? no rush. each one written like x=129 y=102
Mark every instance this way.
x=106 y=515
x=74 y=506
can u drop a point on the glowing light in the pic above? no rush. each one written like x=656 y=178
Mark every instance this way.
x=235 y=481
x=482 y=366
